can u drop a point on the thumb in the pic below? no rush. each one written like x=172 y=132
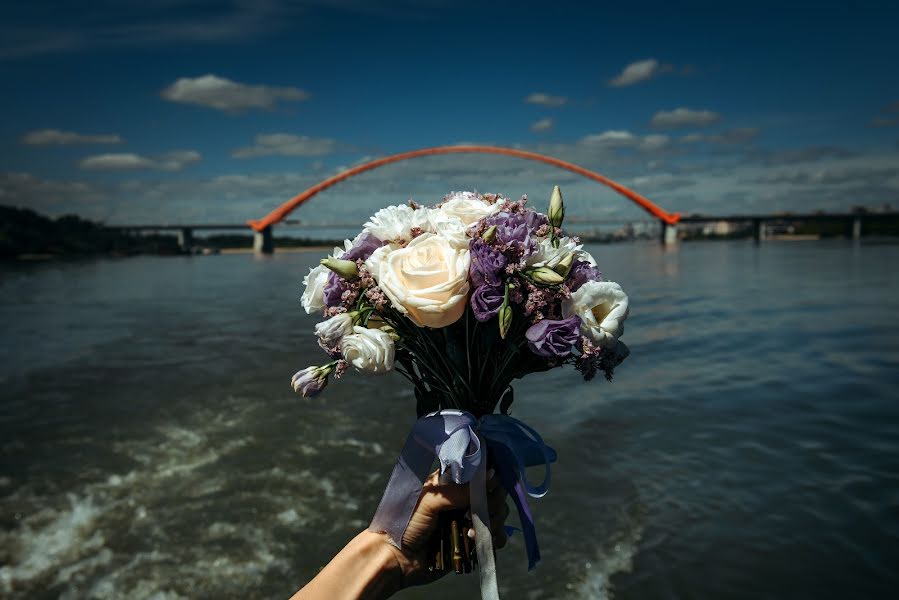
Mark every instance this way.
x=440 y=497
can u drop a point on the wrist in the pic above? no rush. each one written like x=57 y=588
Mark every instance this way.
x=384 y=574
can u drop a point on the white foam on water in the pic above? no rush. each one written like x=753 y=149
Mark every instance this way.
x=48 y=539
x=66 y=546
x=617 y=557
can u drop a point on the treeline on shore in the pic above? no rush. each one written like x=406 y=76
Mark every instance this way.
x=26 y=233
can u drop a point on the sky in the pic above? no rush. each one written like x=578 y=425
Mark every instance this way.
x=199 y=111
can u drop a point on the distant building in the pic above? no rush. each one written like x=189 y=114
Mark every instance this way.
x=719 y=228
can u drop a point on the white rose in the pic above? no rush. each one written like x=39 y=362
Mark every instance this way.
x=548 y=256
x=468 y=207
x=314 y=295
x=331 y=331
x=447 y=226
x=373 y=262
x=602 y=307
x=394 y=223
x=369 y=350
x=427 y=280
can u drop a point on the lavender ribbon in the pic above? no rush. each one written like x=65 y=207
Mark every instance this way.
x=514 y=447
x=452 y=436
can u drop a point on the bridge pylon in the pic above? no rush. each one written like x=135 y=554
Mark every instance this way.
x=264 y=241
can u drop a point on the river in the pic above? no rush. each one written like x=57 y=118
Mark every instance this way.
x=748 y=448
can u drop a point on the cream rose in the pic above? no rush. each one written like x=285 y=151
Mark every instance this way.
x=602 y=307
x=369 y=350
x=468 y=207
x=427 y=280
x=314 y=295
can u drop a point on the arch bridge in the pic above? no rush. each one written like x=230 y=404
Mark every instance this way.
x=264 y=242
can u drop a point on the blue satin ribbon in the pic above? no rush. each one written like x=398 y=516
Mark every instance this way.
x=456 y=438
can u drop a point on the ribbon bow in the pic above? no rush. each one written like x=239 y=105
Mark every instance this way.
x=454 y=437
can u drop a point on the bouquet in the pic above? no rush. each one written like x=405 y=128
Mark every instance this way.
x=462 y=299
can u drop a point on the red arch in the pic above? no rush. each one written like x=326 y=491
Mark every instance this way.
x=285 y=209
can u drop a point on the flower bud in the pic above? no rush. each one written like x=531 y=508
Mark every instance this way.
x=564 y=265
x=505 y=320
x=345 y=268
x=544 y=276
x=311 y=381
x=556 y=208
x=489 y=235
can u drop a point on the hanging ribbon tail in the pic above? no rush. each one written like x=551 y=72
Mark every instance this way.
x=508 y=477
x=514 y=447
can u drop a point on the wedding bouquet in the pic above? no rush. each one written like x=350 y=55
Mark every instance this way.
x=461 y=299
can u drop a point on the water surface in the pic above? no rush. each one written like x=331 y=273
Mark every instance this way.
x=748 y=448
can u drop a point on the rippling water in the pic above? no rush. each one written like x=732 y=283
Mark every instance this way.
x=749 y=447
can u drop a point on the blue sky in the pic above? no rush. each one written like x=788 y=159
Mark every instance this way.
x=201 y=111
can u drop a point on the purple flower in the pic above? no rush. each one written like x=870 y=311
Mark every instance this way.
x=363 y=248
x=337 y=285
x=310 y=381
x=515 y=231
x=334 y=289
x=551 y=338
x=486 y=302
x=486 y=263
x=581 y=273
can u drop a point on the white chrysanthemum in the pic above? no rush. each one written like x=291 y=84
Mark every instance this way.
x=468 y=207
x=394 y=223
x=314 y=294
x=548 y=256
x=448 y=227
x=602 y=307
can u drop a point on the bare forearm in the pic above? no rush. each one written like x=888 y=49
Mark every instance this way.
x=366 y=569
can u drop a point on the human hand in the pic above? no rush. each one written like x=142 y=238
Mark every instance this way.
x=413 y=560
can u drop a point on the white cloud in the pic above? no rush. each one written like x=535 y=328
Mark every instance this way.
x=684 y=117
x=547 y=100
x=46 y=137
x=286 y=144
x=739 y=135
x=626 y=139
x=641 y=70
x=543 y=125
x=220 y=93
x=122 y=161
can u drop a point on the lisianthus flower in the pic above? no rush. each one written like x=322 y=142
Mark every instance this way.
x=581 y=272
x=369 y=350
x=602 y=307
x=359 y=249
x=516 y=232
x=332 y=330
x=487 y=264
x=469 y=207
x=486 y=301
x=310 y=381
x=447 y=226
x=554 y=338
x=547 y=255
x=314 y=294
